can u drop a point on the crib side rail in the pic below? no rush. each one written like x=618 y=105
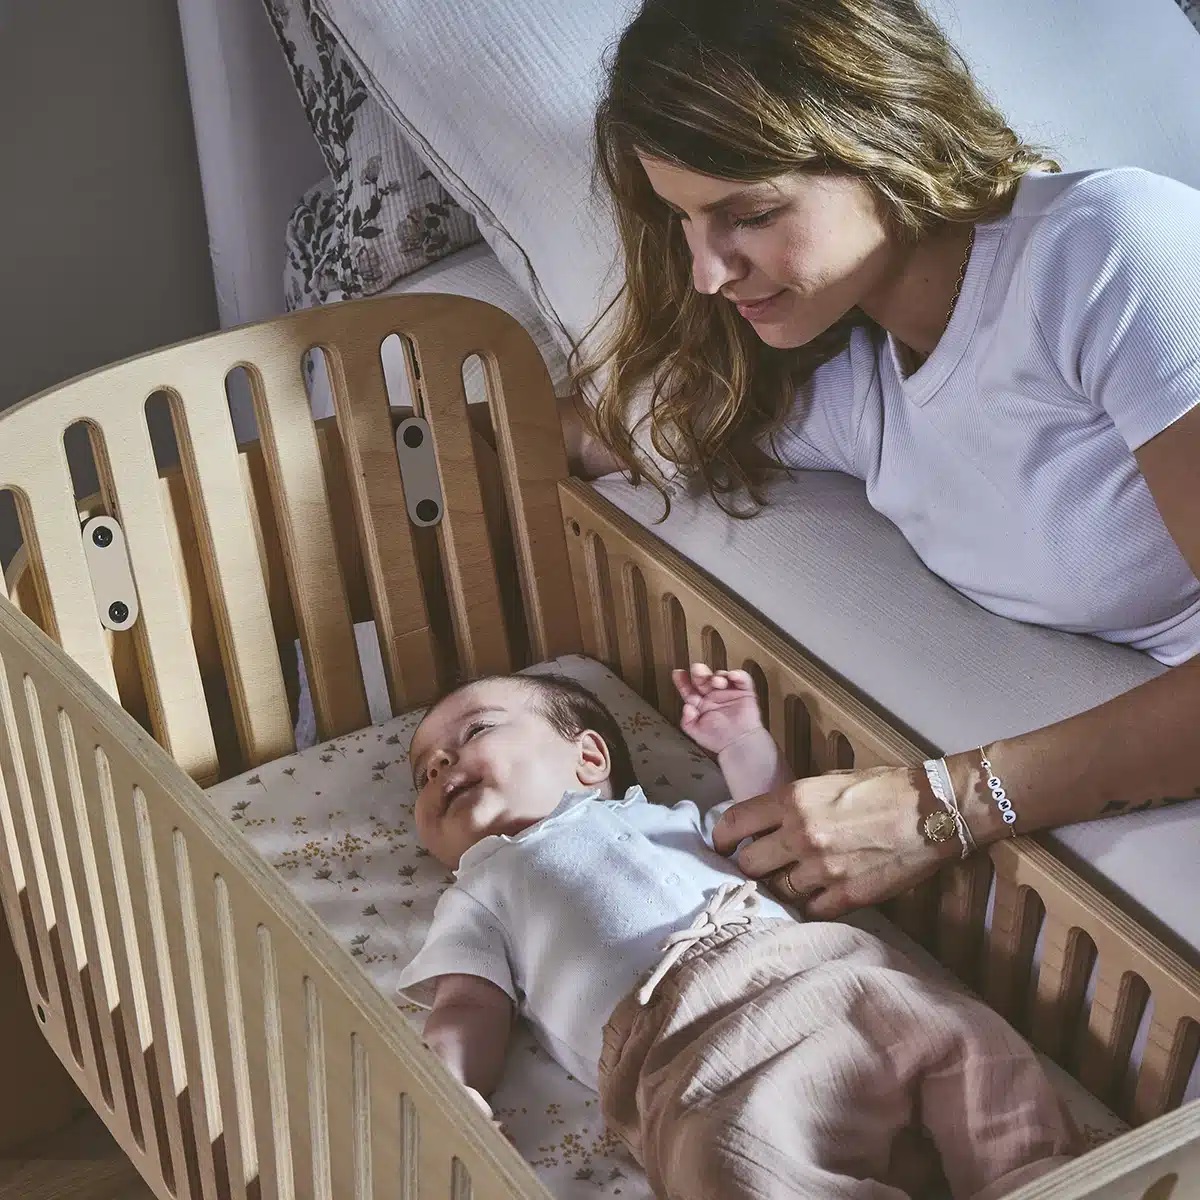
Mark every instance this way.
x=1160 y=1161
x=233 y=550
x=232 y=1048
x=644 y=609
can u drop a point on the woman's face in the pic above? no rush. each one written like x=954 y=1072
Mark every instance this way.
x=793 y=255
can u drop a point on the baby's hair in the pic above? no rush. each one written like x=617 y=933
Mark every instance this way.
x=570 y=708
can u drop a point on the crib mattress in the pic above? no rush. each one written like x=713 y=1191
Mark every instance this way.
x=336 y=821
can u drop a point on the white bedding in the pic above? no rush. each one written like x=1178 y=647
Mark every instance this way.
x=336 y=821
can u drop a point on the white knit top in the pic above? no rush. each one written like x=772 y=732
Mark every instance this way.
x=1006 y=460
x=568 y=916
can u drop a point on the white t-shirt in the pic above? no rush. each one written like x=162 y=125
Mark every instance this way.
x=1006 y=460
x=568 y=916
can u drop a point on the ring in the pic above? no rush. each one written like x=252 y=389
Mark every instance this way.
x=786 y=885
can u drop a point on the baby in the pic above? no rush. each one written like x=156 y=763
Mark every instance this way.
x=738 y=1051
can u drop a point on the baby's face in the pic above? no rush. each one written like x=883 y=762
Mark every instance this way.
x=486 y=761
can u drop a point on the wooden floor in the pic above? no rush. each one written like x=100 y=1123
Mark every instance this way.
x=81 y=1162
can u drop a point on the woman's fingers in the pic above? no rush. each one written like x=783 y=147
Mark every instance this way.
x=765 y=855
x=747 y=819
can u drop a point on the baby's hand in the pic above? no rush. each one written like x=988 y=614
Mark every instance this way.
x=718 y=706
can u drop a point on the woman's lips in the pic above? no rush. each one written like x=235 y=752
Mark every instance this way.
x=760 y=308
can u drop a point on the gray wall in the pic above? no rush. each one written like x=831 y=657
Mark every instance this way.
x=104 y=248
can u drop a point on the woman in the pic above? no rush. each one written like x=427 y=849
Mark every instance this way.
x=839 y=257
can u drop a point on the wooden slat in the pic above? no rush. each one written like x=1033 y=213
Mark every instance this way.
x=67 y=950
x=471 y=577
x=99 y=976
x=129 y=482
x=633 y=634
x=230 y=1042
x=777 y=709
x=164 y=1057
x=302 y=513
x=798 y=739
x=373 y=472
x=346 y=1075
x=533 y=458
x=1116 y=1010
x=14 y=880
x=592 y=591
x=320 y=1152
x=963 y=904
x=1067 y=953
x=272 y=1138
x=203 y=1106
x=915 y=911
x=1162 y=1075
x=1010 y=944
x=225 y=538
x=132 y=1018
x=662 y=651
x=46 y=503
x=27 y=844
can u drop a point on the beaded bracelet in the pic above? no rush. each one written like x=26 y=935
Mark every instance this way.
x=1003 y=803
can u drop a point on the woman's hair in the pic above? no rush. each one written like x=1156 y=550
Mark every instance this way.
x=747 y=90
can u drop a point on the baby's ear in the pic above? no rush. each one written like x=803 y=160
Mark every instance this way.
x=594 y=766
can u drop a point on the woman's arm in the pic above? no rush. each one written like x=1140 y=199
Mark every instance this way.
x=1140 y=750
x=853 y=838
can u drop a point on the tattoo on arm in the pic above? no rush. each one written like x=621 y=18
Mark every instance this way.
x=1118 y=807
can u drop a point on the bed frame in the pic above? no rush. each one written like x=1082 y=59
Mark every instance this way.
x=230 y=1045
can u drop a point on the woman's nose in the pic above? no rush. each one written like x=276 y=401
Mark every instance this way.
x=713 y=266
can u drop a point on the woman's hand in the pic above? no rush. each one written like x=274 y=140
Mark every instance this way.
x=718 y=706
x=843 y=840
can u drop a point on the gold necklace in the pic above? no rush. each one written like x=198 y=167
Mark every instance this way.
x=962 y=274
x=916 y=358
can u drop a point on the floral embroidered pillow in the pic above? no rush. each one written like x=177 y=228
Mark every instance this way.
x=385 y=216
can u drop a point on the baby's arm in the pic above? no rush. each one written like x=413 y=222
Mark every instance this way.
x=721 y=715
x=753 y=765
x=469 y=1028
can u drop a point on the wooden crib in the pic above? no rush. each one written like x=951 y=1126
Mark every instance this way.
x=229 y=1044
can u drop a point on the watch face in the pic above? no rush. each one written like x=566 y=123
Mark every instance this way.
x=939 y=827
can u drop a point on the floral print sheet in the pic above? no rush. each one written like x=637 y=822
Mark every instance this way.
x=336 y=821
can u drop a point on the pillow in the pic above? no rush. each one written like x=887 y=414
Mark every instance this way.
x=499 y=99
x=312 y=266
x=385 y=215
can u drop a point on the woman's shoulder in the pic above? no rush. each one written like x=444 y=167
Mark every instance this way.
x=1134 y=232
x=1082 y=212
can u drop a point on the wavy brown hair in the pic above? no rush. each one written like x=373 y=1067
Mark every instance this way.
x=748 y=90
